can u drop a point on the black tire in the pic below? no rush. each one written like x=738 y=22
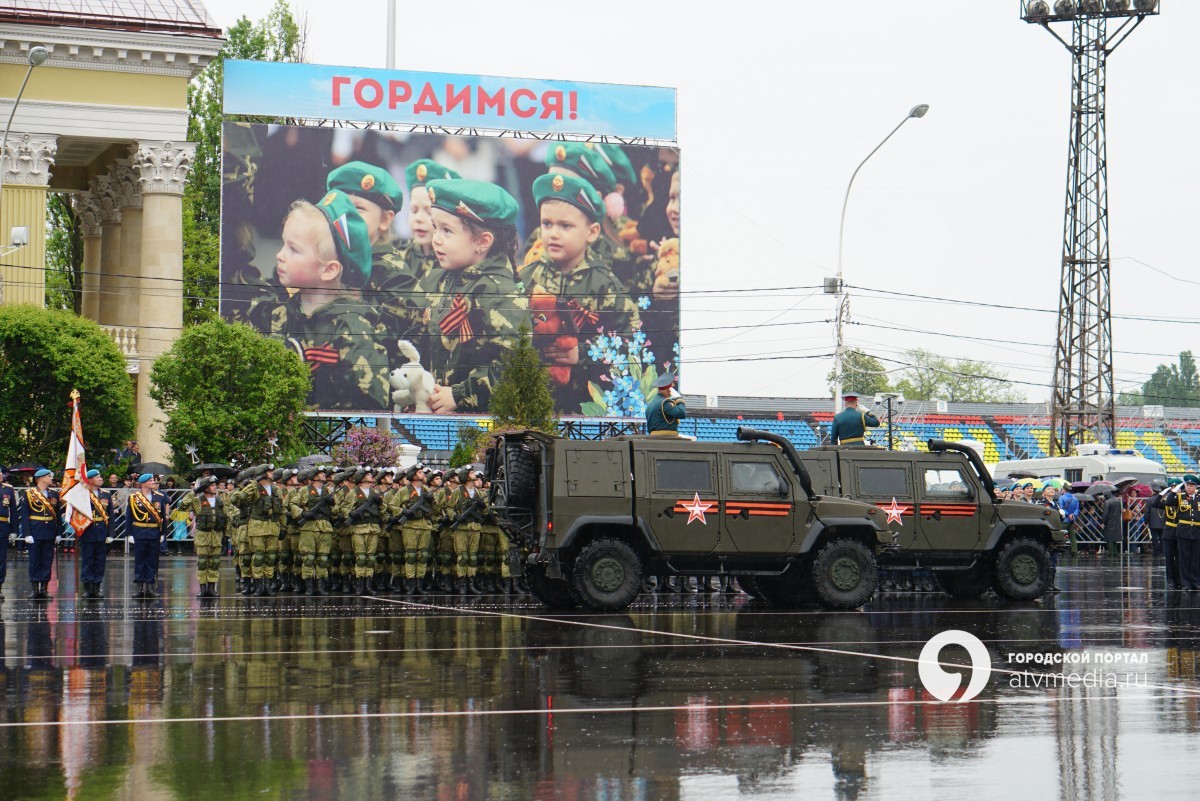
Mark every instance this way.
x=844 y=574
x=750 y=585
x=793 y=588
x=1022 y=570
x=966 y=585
x=553 y=593
x=607 y=575
x=521 y=478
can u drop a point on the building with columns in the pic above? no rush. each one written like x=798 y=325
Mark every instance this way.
x=104 y=120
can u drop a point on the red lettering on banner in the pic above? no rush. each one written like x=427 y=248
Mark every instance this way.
x=459 y=98
x=427 y=102
x=360 y=94
x=494 y=102
x=573 y=99
x=338 y=82
x=523 y=94
x=398 y=92
x=552 y=105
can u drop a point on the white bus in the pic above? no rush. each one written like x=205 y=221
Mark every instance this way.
x=1090 y=463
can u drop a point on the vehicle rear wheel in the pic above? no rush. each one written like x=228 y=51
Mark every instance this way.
x=607 y=575
x=1022 y=570
x=844 y=574
x=553 y=593
x=966 y=585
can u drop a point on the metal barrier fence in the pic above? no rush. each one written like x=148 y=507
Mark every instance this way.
x=1089 y=527
x=179 y=533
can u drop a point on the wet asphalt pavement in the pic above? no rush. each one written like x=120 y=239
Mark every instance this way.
x=693 y=697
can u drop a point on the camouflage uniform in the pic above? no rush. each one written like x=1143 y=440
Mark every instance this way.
x=289 y=546
x=211 y=524
x=416 y=534
x=316 y=535
x=265 y=517
x=593 y=300
x=390 y=299
x=239 y=520
x=341 y=552
x=467 y=535
x=417 y=263
x=349 y=367
x=364 y=531
x=443 y=539
x=472 y=317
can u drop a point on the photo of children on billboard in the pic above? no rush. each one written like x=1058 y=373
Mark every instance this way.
x=401 y=266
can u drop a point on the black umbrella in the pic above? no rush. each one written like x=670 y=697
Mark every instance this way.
x=218 y=470
x=1128 y=481
x=154 y=468
x=1100 y=488
x=25 y=467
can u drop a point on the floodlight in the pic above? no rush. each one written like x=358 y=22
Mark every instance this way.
x=38 y=56
x=1145 y=5
x=1064 y=8
x=1037 y=8
x=1118 y=5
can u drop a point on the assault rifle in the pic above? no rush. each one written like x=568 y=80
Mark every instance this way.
x=359 y=510
x=323 y=504
x=469 y=514
x=421 y=506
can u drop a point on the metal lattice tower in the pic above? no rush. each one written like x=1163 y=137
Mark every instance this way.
x=1083 y=406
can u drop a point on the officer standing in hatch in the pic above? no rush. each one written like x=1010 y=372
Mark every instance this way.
x=851 y=424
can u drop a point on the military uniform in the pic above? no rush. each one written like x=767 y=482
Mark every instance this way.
x=364 y=503
x=466 y=536
x=850 y=426
x=663 y=413
x=264 y=505
x=473 y=314
x=211 y=525
x=10 y=524
x=314 y=514
x=148 y=517
x=40 y=522
x=93 y=544
x=1184 y=511
x=443 y=538
x=1171 y=542
x=341 y=552
x=289 y=543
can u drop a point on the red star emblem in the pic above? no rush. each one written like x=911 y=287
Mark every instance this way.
x=697 y=509
x=895 y=512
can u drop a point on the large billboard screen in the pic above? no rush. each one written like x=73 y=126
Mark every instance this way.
x=420 y=323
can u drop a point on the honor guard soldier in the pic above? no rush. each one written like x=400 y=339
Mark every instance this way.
x=1184 y=501
x=9 y=525
x=41 y=524
x=850 y=424
x=665 y=409
x=147 y=512
x=211 y=523
x=94 y=540
x=415 y=506
x=265 y=506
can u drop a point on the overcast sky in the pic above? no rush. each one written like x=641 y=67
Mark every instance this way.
x=777 y=105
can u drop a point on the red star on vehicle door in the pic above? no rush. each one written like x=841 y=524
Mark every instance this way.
x=696 y=509
x=895 y=512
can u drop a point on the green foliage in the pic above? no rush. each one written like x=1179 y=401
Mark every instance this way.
x=371 y=447
x=522 y=397
x=862 y=373
x=1169 y=385
x=932 y=377
x=276 y=37
x=44 y=354
x=227 y=389
x=64 y=255
x=472 y=440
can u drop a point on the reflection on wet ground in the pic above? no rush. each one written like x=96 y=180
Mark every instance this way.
x=693 y=697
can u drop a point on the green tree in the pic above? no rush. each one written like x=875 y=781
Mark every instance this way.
x=862 y=373
x=930 y=376
x=228 y=390
x=44 y=354
x=522 y=397
x=64 y=255
x=276 y=37
x=1172 y=384
x=471 y=441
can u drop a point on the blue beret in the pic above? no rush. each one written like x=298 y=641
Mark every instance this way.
x=144 y=477
x=93 y=473
x=42 y=472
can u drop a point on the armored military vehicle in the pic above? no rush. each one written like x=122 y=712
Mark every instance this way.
x=595 y=517
x=941 y=506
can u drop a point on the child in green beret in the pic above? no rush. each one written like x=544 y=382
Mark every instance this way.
x=573 y=299
x=389 y=301
x=324 y=262
x=418 y=252
x=475 y=310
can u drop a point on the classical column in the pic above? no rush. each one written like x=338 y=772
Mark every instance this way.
x=26 y=167
x=111 y=281
x=129 y=198
x=162 y=169
x=87 y=211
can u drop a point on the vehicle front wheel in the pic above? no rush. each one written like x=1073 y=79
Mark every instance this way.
x=607 y=575
x=553 y=593
x=1022 y=571
x=844 y=574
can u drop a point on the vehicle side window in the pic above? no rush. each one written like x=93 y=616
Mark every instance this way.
x=883 y=481
x=756 y=477
x=683 y=474
x=945 y=484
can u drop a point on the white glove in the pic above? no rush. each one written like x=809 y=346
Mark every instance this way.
x=108 y=540
x=162 y=539
x=12 y=539
x=130 y=538
x=29 y=540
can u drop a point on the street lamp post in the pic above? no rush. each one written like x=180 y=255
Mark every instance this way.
x=839 y=354
x=37 y=57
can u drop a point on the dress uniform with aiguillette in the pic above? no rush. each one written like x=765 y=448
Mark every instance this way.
x=41 y=525
x=94 y=540
x=148 y=514
x=665 y=409
x=850 y=424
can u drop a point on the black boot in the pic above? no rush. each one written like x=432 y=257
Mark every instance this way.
x=97 y=592
x=706 y=585
x=1 y=592
x=151 y=589
x=259 y=588
x=247 y=586
x=269 y=587
x=509 y=587
x=139 y=591
x=203 y=591
x=298 y=586
x=310 y=587
x=398 y=585
x=322 y=587
x=665 y=586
